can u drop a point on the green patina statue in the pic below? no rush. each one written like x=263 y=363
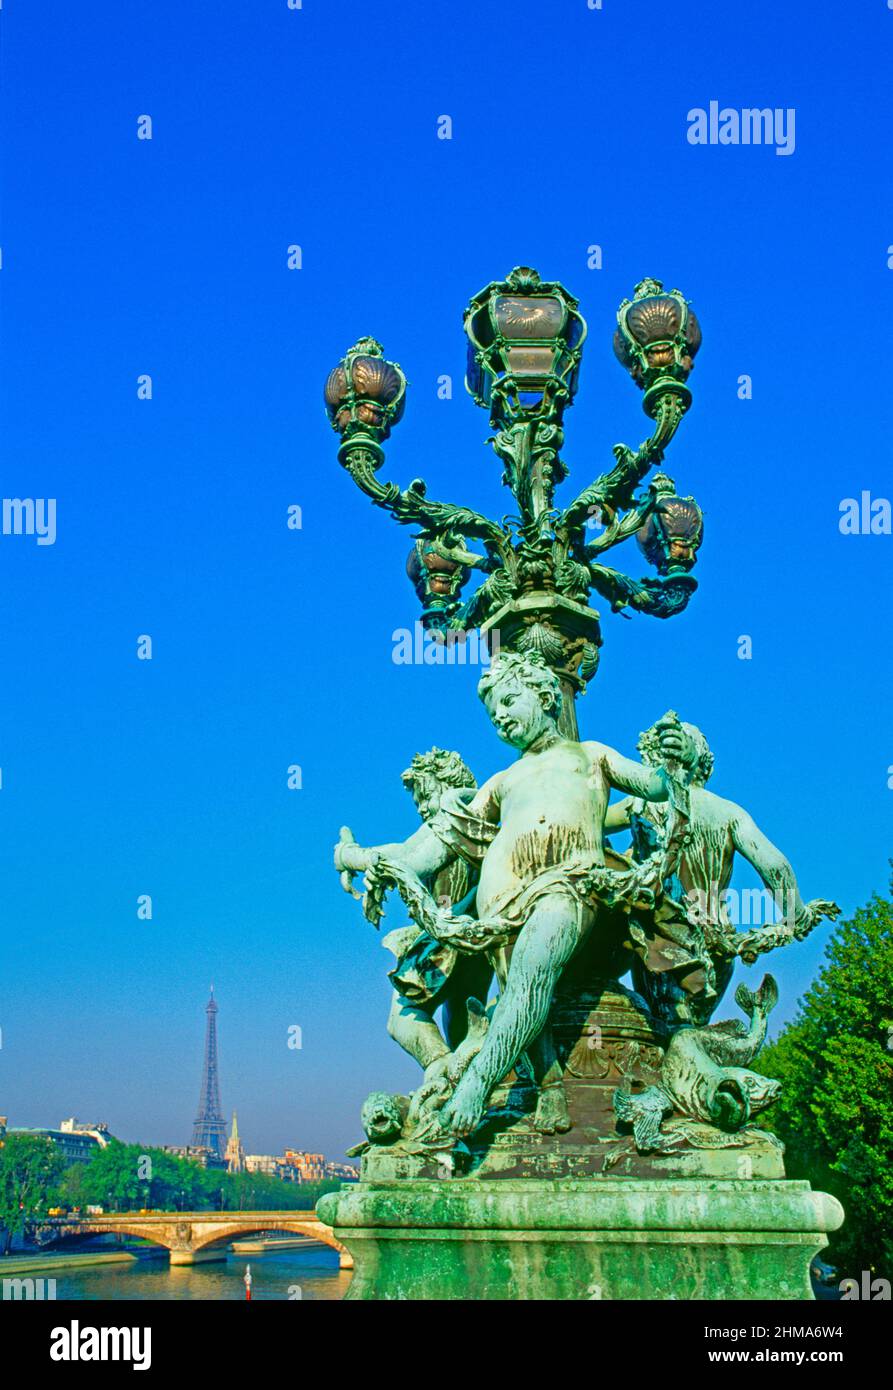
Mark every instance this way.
x=513 y=879
x=534 y=835
x=690 y=946
x=428 y=974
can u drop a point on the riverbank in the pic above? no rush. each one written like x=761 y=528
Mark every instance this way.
x=272 y=1244
x=28 y=1264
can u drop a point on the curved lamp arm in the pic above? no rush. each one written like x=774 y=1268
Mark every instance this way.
x=659 y=598
x=362 y=455
x=615 y=489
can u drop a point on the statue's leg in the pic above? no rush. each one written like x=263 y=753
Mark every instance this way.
x=470 y=979
x=548 y=939
x=662 y=992
x=416 y=1032
x=701 y=1004
x=552 y=1115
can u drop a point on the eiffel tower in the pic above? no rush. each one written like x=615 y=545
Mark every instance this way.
x=209 y=1130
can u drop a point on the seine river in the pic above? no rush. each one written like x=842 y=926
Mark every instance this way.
x=285 y=1274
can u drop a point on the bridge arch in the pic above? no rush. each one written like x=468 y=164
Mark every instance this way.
x=186 y=1234
x=314 y=1230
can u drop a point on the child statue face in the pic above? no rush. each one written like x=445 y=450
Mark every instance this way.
x=518 y=713
x=427 y=793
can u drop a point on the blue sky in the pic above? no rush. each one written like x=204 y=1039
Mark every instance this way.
x=271 y=646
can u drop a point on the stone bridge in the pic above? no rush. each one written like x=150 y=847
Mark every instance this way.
x=193 y=1237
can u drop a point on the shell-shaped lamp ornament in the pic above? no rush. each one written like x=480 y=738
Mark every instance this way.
x=544 y=640
x=365 y=392
x=657 y=339
x=672 y=534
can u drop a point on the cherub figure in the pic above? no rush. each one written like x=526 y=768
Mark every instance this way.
x=429 y=973
x=687 y=950
x=536 y=832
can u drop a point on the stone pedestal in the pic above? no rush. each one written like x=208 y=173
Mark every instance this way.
x=198 y=1257
x=596 y=1238
x=514 y=1213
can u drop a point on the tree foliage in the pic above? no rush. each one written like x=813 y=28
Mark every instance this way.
x=835 y=1062
x=130 y=1177
x=29 y=1166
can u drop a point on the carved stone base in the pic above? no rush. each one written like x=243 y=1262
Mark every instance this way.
x=602 y=1238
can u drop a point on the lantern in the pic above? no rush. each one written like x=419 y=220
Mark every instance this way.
x=656 y=339
x=437 y=581
x=525 y=340
x=670 y=537
x=364 y=392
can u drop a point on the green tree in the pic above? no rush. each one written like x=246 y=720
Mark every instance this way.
x=835 y=1062
x=111 y=1178
x=29 y=1167
x=260 y=1192
x=128 y=1177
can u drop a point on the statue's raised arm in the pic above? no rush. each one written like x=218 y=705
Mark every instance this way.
x=797 y=917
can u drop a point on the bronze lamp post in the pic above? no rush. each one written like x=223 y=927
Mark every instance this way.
x=525 y=344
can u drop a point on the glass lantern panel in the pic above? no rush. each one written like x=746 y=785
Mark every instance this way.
x=480 y=329
x=520 y=316
x=530 y=361
x=574 y=332
x=473 y=374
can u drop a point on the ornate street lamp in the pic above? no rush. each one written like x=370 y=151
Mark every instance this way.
x=525 y=339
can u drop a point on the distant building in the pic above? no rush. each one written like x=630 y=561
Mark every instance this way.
x=299 y=1166
x=306 y=1167
x=196 y=1153
x=235 y=1152
x=77 y=1142
x=262 y=1163
x=348 y=1172
x=99 y=1132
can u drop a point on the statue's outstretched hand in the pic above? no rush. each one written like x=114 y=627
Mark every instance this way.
x=676 y=746
x=816 y=909
x=378 y=880
x=767 y=938
x=342 y=865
